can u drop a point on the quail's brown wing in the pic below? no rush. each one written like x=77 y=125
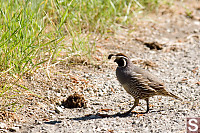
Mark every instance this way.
x=142 y=89
x=153 y=81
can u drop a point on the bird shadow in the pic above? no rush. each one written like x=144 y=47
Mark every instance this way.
x=95 y=116
x=102 y=116
x=52 y=122
x=119 y=115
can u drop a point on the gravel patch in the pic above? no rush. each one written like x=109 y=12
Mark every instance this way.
x=166 y=114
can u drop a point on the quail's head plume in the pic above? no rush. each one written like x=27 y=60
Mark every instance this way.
x=138 y=82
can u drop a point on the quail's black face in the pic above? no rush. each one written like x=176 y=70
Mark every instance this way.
x=121 y=59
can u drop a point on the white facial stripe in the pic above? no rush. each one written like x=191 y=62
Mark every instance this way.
x=121 y=57
x=124 y=62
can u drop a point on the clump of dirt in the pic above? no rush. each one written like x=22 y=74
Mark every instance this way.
x=153 y=45
x=74 y=101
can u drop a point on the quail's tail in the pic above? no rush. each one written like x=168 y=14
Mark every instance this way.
x=174 y=96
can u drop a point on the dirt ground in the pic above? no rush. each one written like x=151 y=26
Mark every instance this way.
x=166 y=42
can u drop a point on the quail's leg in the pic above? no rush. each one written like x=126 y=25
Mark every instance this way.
x=136 y=102
x=147 y=100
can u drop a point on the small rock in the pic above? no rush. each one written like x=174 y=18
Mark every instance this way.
x=196 y=22
x=38 y=122
x=58 y=110
x=51 y=111
x=61 y=117
x=14 y=129
x=58 y=94
x=3 y=131
x=51 y=105
x=3 y=125
x=18 y=125
x=97 y=103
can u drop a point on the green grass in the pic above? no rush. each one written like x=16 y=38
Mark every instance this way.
x=31 y=29
x=35 y=31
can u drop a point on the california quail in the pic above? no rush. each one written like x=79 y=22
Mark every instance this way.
x=138 y=82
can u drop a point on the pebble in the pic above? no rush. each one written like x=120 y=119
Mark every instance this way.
x=58 y=94
x=3 y=125
x=14 y=129
x=3 y=131
x=62 y=117
x=37 y=122
x=58 y=109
